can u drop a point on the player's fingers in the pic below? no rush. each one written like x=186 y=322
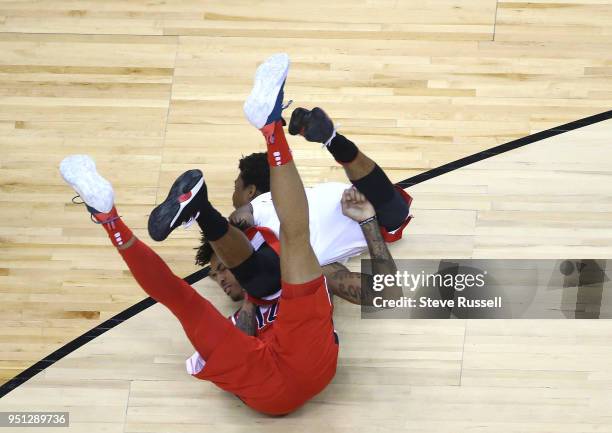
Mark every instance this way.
x=359 y=197
x=296 y=123
x=345 y=197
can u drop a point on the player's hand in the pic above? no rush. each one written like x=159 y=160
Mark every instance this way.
x=315 y=125
x=242 y=217
x=356 y=206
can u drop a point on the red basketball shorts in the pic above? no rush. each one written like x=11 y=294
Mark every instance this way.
x=296 y=362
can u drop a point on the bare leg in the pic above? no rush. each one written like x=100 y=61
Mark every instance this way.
x=263 y=109
x=304 y=328
x=298 y=261
x=233 y=248
x=360 y=167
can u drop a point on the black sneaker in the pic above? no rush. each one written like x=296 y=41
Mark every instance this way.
x=181 y=207
x=314 y=125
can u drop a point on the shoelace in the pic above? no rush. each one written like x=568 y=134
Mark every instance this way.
x=328 y=142
x=284 y=106
x=190 y=221
x=91 y=216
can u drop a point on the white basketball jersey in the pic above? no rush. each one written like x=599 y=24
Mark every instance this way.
x=333 y=236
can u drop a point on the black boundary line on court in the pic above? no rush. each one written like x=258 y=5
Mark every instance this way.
x=85 y=338
x=203 y=273
x=511 y=145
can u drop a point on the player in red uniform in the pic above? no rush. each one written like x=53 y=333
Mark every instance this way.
x=256 y=317
x=334 y=237
x=276 y=375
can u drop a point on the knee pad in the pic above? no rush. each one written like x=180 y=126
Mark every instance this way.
x=392 y=214
x=376 y=186
x=259 y=275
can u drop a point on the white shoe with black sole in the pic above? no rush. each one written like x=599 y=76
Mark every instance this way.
x=79 y=171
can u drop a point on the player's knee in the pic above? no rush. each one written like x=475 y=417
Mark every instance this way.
x=259 y=275
x=393 y=213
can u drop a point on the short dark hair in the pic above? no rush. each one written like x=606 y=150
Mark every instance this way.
x=254 y=170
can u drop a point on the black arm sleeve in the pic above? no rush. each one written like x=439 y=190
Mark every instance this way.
x=260 y=275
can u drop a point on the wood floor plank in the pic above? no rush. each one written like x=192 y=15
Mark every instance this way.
x=151 y=89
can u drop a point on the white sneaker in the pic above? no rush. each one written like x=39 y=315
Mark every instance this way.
x=264 y=104
x=79 y=171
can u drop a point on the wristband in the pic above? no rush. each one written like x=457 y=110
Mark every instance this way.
x=368 y=220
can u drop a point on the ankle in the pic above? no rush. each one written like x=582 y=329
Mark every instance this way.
x=103 y=217
x=276 y=142
x=119 y=234
x=342 y=149
x=211 y=222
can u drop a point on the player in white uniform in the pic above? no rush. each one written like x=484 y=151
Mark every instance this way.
x=300 y=357
x=256 y=317
x=333 y=236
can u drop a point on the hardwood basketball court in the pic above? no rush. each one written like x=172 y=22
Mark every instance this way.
x=150 y=89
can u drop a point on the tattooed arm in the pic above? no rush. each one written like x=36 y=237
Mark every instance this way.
x=343 y=283
x=246 y=318
x=354 y=286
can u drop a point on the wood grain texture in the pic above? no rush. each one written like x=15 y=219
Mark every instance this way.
x=152 y=88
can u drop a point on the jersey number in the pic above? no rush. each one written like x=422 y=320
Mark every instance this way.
x=266 y=317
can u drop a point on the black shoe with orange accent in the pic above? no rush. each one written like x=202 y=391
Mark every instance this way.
x=315 y=125
x=181 y=207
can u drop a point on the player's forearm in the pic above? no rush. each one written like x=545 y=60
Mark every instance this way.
x=246 y=319
x=343 y=283
x=382 y=262
x=356 y=287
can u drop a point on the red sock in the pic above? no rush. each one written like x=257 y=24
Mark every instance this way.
x=117 y=231
x=278 y=149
